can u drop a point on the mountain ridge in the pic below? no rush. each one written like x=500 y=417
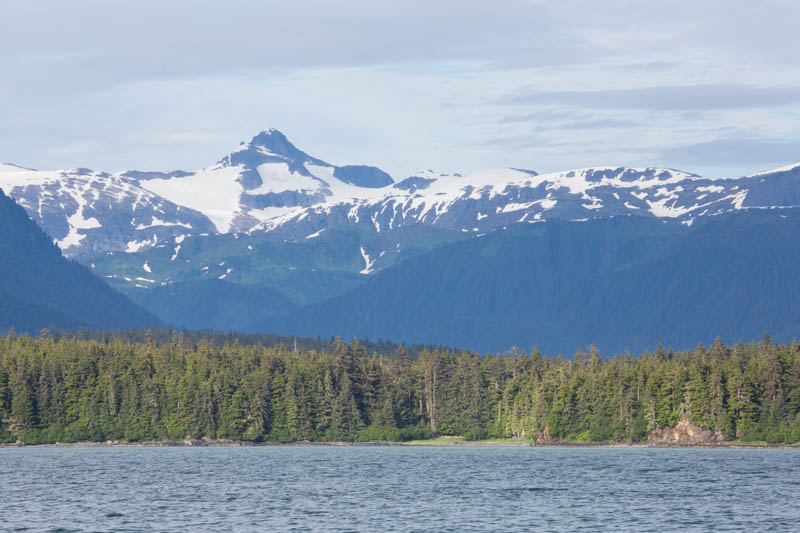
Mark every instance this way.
x=270 y=238
x=269 y=184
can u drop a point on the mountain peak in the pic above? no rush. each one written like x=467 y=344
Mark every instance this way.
x=277 y=143
x=269 y=137
x=270 y=144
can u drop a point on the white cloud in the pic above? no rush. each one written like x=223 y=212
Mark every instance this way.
x=158 y=138
x=451 y=85
x=77 y=148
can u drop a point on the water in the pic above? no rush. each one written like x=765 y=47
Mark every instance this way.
x=320 y=488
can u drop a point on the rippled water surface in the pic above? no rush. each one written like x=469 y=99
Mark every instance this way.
x=353 y=488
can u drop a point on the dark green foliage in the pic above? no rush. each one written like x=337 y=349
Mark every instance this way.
x=220 y=339
x=174 y=386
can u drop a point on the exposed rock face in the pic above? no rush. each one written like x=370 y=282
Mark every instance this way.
x=686 y=432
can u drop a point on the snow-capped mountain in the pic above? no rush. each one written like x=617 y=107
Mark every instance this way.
x=487 y=200
x=259 y=181
x=87 y=212
x=270 y=238
x=269 y=185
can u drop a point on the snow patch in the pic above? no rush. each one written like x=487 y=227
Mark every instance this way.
x=76 y=223
x=315 y=234
x=711 y=188
x=213 y=191
x=738 y=199
x=155 y=221
x=135 y=246
x=368 y=263
x=276 y=178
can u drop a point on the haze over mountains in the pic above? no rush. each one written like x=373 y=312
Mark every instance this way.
x=272 y=239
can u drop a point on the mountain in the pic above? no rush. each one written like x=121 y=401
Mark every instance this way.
x=89 y=212
x=619 y=283
x=268 y=185
x=41 y=289
x=270 y=238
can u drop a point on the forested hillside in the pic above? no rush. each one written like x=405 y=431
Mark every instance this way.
x=620 y=283
x=41 y=289
x=182 y=387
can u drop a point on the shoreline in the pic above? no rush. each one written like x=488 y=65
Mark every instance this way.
x=204 y=443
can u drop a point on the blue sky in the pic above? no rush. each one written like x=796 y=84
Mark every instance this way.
x=711 y=87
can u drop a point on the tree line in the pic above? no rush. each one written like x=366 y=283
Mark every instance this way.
x=69 y=389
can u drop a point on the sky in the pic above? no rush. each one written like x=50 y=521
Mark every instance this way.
x=706 y=86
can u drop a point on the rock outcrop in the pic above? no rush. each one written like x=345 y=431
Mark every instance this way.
x=686 y=432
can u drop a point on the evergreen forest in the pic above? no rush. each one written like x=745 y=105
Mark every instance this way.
x=166 y=385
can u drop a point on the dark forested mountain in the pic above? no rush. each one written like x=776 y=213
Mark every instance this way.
x=41 y=289
x=620 y=283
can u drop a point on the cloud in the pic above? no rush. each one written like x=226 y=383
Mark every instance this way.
x=543 y=115
x=665 y=98
x=75 y=148
x=155 y=40
x=159 y=138
x=451 y=84
x=745 y=152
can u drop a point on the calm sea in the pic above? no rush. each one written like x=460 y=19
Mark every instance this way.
x=355 y=488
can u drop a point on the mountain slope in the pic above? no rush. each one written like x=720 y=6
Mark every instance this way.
x=621 y=283
x=89 y=212
x=40 y=289
x=271 y=238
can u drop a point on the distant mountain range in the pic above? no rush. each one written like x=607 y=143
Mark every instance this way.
x=271 y=238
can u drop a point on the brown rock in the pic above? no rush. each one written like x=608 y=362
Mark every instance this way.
x=686 y=432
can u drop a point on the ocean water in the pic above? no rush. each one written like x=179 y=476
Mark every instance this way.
x=368 y=488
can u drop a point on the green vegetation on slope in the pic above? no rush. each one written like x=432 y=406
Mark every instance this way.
x=622 y=282
x=619 y=283
x=69 y=389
